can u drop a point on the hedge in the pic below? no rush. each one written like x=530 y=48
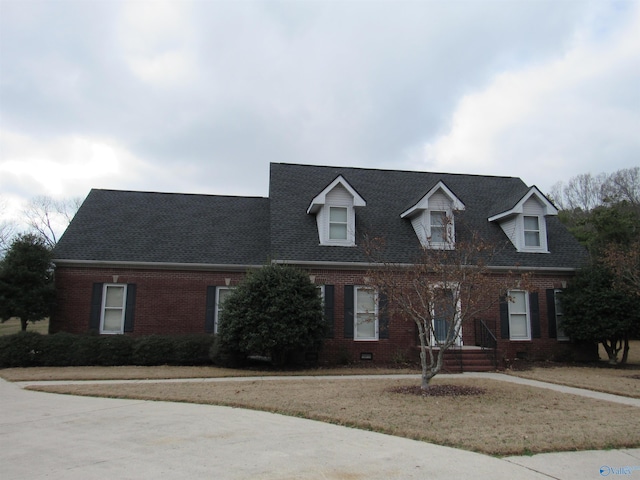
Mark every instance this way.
x=31 y=349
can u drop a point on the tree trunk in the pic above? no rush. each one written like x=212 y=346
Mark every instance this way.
x=23 y=324
x=625 y=352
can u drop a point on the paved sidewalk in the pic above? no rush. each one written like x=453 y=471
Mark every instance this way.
x=45 y=435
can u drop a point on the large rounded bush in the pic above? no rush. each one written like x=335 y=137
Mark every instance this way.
x=276 y=311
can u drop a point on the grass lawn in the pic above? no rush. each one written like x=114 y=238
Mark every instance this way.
x=12 y=326
x=507 y=420
x=602 y=378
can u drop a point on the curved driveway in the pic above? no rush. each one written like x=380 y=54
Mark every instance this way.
x=52 y=436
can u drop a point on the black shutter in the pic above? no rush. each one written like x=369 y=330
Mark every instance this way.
x=96 y=305
x=328 y=310
x=130 y=307
x=534 y=308
x=210 y=310
x=383 y=316
x=504 y=317
x=348 y=311
x=551 y=313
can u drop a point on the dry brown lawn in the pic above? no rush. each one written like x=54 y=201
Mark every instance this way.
x=507 y=420
x=602 y=378
x=169 y=372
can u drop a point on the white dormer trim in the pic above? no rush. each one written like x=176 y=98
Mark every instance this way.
x=548 y=207
x=321 y=199
x=335 y=213
x=423 y=203
x=525 y=224
x=428 y=210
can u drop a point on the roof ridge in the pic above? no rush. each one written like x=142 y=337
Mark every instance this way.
x=189 y=194
x=394 y=170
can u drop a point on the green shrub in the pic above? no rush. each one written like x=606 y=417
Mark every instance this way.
x=22 y=349
x=274 y=312
x=114 y=350
x=58 y=350
x=192 y=349
x=29 y=349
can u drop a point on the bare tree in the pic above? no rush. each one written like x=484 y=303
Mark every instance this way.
x=7 y=229
x=48 y=217
x=442 y=290
x=623 y=185
x=584 y=191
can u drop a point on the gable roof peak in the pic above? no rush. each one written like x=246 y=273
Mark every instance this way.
x=320 y=199
x=423 y=203
x=533 y=192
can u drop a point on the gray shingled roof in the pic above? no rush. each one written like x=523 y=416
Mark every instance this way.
x=205 y=229
x=123 y=226
x=388 y=193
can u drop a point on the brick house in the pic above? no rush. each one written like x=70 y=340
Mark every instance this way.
x=144 y=263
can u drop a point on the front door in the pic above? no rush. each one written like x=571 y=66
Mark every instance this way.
x=444 y=313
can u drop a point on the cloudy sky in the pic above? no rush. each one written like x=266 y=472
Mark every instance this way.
x=199 y=96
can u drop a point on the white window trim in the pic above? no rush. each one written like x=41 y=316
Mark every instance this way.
x=355 y=315
x=350 y=240
x=103 y=308
x=542 y=235
x=564 y=337
x=449 y=230
x=527 y=313
x=216 y=318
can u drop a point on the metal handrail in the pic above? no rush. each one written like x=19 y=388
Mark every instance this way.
x=488 y=341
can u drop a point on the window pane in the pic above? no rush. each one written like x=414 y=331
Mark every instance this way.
x=114 y=297
x=558 y=303
x=532 y=239
x=338 y=214
x=337 y=232
x=437 y=234
x=518 y=302
x=531 y=223
x=112 y=320
x=366 y=301
x=222 y=294
x=438 y=219
x=518 y=326
x=365 y=326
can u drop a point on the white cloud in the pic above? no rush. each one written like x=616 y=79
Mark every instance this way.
x=155 y=41
x=61 y=166
x=549 y=121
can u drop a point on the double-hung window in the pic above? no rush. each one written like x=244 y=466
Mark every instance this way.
x=366 y=314
x=221 y=294
x=531 y=231
x=114 y=298
x=560 y=334
x=438 y=226
x=338 y=223
x=519 y=322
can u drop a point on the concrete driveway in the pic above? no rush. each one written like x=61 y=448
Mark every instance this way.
x=51 y=436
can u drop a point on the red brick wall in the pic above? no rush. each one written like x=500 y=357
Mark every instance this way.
x=174 y=301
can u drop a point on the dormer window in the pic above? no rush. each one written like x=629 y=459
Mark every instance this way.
x=338 y=224
x=438 y=226
x=334 y=208
x=432 y=217
x=531 y=232
x=525 y=224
